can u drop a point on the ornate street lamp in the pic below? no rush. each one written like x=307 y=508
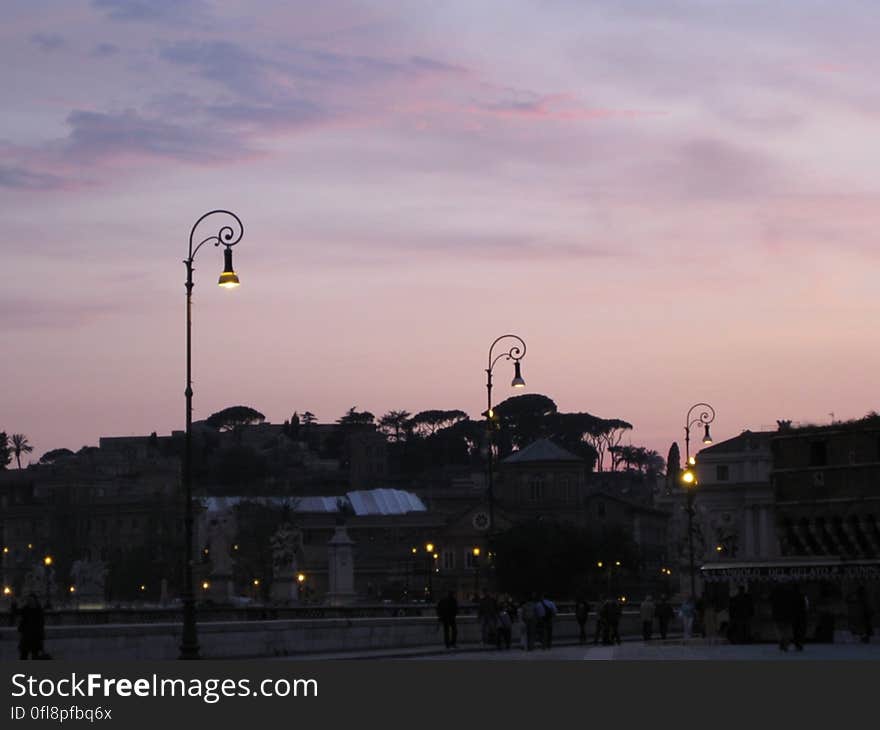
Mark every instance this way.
x=515 y=353
x=228 y=235
x=688 y=476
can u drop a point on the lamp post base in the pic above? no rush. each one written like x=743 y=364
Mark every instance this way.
x=189 y=646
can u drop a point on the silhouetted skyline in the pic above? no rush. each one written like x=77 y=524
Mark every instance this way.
x=668 y=204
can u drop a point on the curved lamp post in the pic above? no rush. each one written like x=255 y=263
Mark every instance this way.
x=228 y=235
x=515 y=353
x=689 y=474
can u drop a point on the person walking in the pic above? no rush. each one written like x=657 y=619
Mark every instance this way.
x=487 y=612
x=505 y=627
x=663 y=612
x=601 y=621
x=782 y=611
x=688 y=612
x=647 y=611
x=799 y=609
x=31 y=629
x=550 y=612
x=521 y=627
x=581 y=613
x=710 y=620
x=530 y=619
x=615 y=612
x=447 y=613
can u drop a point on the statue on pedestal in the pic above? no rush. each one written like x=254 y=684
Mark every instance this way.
x=287 y=557
x=89 y=578
x=340 y=560
x=220 y=555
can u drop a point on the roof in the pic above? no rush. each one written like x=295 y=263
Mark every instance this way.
x=385 y=502
x=541 y=450
x=746 y=441
x=364 y=502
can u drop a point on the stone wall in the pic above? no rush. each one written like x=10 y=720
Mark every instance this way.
x=242 y=639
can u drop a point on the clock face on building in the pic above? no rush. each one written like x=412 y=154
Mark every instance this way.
x=481 y=521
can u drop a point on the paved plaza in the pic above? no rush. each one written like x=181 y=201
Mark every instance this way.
x=674 y=650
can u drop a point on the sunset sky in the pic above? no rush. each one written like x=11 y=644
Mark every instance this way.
x=670 y=202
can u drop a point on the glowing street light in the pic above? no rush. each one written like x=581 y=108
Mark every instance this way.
x=228 y=235
x=515 y=353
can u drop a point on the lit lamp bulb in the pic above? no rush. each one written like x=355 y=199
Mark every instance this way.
x=228 y=279
x=688 y=477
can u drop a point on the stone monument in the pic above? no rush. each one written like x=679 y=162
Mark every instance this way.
x=220 y=583
x=88 y=578
x=286 y=561
x=340 y=561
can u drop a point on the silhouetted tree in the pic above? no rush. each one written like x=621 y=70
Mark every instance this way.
x=233 y=417
x=50 y=457
x=523 y=419
x=673 y=466
x=355 y=418
x=613 y=433
x=394 y=425
x=427 y=423
x=20 y=445
x=638 y=458
x=5 y=450
x=308 y=418
x=572 y=431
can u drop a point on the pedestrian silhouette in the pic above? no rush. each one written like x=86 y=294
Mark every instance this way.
x=31 y=628
x=447 y=613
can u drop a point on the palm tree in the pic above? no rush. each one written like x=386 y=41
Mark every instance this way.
x=20 y=446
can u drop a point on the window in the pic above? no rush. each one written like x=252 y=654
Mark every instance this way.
x=470 y=561
x=536 y=488
x=722 y=472
x=818 y=453
x=448 y=559
x=600 y=509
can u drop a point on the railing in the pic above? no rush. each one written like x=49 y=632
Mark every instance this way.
x=173 y=614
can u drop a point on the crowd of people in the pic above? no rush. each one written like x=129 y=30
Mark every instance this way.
x=499 y=616
x=504 y=621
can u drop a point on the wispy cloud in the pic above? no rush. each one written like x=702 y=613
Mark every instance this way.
x=561 y=107
x=96 y=136
x=21 y=178
x=24 y=314
x=105 y=50
x=149 y=10
x=48 y=41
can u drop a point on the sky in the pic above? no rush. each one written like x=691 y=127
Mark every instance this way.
x=669 y=202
